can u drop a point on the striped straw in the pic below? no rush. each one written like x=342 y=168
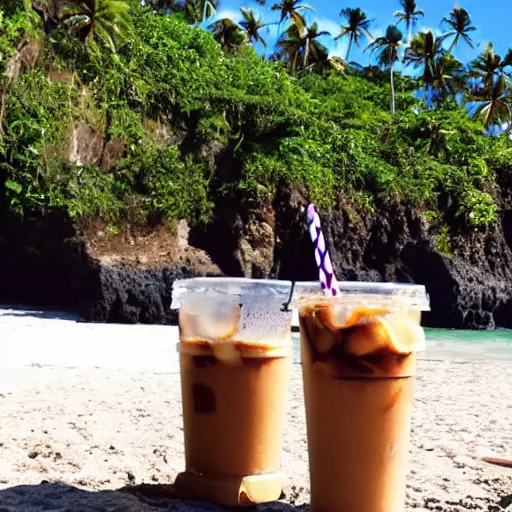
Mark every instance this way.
x=328 y=280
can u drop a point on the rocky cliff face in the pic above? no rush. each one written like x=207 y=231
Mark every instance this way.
x=128 y=278
x=124 y=279
x=468 y=288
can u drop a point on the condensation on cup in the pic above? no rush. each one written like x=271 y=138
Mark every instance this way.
x=235 y=360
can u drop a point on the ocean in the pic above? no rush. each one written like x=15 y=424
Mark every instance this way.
x=468 y=345
x=461 y=345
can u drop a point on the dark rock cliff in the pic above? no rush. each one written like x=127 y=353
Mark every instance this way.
x=49 y=262
x=469 y=287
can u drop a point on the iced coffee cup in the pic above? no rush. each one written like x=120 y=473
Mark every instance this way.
x=235 y=360
x=358 y=354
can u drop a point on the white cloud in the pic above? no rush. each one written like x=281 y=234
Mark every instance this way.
x=327 y=24
x=223 y=13
x=437 y=31
x=378 y=32
x=338 y=51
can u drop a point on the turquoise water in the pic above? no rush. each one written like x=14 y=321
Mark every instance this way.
x=445 y=344
x=468 y=345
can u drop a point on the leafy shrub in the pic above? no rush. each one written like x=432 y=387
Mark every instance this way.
x=331 y=136
x=478 y=208
x=442 y=240
x=169 y=187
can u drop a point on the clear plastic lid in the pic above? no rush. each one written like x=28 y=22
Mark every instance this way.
x=413 y=296
x=236 y=289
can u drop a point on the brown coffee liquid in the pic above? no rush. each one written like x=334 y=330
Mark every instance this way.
x=233 y=410
x=358 y=421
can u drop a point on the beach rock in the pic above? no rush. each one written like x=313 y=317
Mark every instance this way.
x=122 y=294
x=50 y=263
x=468 y=285
x=128 y=277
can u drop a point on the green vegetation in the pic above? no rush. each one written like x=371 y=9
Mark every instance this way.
x=442 y=240
x=196 y=121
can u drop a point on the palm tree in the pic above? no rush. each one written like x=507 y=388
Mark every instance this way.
x=314 y=51
x=98 y=21
x=488 y=66
x=301 y=49
x=252 y=26
x=459 y=22
x=164 y=6
x=508 y=58
x=449 y=76
x=490 y=94
x=387 y=48
x=409 y=15
x=198 y=11
x=228 y=34
x=423 y=52
x=357 y=27
x=492 y=103
x=289 y=46
x=441 y=73
x=291 y=9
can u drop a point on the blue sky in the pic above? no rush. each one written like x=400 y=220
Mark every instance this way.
x=491 y=17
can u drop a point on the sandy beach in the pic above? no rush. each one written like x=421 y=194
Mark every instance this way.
x=72 y=434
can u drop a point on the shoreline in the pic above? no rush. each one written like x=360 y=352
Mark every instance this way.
x=53 y=338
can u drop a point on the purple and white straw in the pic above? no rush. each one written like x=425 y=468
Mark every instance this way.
x=326 y=275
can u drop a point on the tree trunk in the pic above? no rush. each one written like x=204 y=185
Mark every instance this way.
x=49 y=13
x=392 y=91
x=349 y=46
x=409 y=32
x=306 y=54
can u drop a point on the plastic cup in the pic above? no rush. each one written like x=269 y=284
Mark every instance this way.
x=358 y=355
x=235 y=361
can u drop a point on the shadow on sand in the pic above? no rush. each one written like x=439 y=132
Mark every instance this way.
x=506 y=502
x=59 y=497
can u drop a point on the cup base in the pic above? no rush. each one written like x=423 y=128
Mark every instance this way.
x=230 y=491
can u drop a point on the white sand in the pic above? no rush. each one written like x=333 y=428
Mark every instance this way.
x=98 y=429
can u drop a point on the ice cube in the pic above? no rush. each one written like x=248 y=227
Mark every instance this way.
x=362 y=340
x=406 y=336
x=226 y=352
x=219 y=320
x=340 y=316
x=394 y=333
x=321 y=337
x=333 y=317
x=208 y=319
x=189 y=327
x=192 y=304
